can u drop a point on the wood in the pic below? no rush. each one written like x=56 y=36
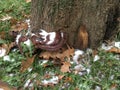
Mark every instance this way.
x=98 y=16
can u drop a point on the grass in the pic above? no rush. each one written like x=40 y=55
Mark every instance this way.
x=17 y=9
x=104 y=72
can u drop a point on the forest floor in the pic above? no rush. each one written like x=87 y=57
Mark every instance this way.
x=73 y=69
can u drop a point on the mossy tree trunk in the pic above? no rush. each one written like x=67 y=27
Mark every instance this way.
x=99 y=17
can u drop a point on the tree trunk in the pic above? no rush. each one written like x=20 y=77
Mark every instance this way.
x=98 y=16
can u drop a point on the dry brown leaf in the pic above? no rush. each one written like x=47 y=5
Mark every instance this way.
x=54 y=55
x=113 y=87
x=5 y=86
x=12 y=44
x=69 y=52
x=13 y=21
x=7 y=47
x=26 y=64
x=114 y=50
x=3 y=50
x=4 y=46
x=47 y=55
x=60 y=77
x=82 y=37
x=65 y=67
x=68 y=79
x=2 y=35
x=77 y=88
x=47 y=76
x=95 y=52
x=49 y=84
x=19 y=27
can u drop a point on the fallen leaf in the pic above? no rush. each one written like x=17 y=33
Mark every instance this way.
x=60 y=77
x=46 y=55
x=77 y=88
x=2 y=35
x=69 y=52
x=5 y=86
x=68 y=79
x=113 y=87
x=114 y=50
x=65 y=67
x=13 y=21
x=58 y=55
x=3 y=50
x=47 y=76
x=26 y=64
x=9 y=46
x=95 y=52
x=19 y=26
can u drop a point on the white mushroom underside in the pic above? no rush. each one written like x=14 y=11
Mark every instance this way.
x=44 y=34
x=52 y=38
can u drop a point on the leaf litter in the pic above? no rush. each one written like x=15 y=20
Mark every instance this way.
x=71 y=60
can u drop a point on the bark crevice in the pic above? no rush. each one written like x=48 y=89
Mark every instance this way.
x=112 y=23
x=99 y=17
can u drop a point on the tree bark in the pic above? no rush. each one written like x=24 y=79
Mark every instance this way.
x=98 y=16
